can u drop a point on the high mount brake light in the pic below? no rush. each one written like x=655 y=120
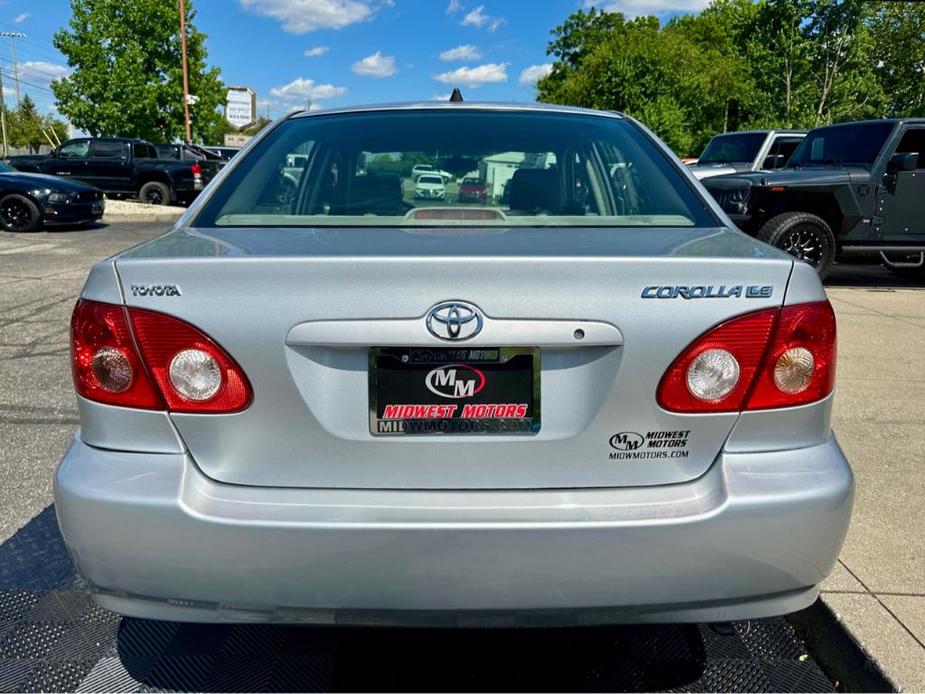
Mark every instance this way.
x=144 y=359
x=767 y=359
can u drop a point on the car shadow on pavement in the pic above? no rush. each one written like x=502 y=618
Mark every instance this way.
x=54 y=637
x=870 y=276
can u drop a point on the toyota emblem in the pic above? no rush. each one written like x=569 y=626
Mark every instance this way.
x=454 y=320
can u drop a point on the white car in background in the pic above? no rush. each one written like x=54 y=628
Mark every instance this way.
x=430 y=187
x=419 y=170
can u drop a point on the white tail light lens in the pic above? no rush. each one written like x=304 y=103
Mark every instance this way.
x=112 y=369
x=793 y=371
x=195 y=375
x=712 y=375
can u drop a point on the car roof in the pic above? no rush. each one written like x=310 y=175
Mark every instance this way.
x=781 y=131
x=892 y=121
x=457 y=106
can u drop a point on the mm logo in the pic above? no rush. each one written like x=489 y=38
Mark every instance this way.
x=455 y=381
x=626 y=441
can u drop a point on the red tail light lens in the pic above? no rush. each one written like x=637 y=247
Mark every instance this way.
x=193 y=373
x=771 y=358
x=106 y=365
x=197 y=169
x=744 y=338
x=800 y=365
x=144 y=359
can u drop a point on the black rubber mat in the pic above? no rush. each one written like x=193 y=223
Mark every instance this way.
x=53 y=638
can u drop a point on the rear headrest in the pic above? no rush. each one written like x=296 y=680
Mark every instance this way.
x=535 y=191
x=373 y=194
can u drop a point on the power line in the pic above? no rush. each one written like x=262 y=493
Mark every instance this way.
x=39 y=87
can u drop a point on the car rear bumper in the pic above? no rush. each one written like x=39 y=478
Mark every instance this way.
x=155 y=538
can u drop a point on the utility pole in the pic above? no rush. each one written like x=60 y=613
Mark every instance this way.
x=186 y=99
x=6 y=148
x=12 y=36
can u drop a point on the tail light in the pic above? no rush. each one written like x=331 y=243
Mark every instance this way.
x=106 y=365
x=144 y=359
x=197 y=170
x=778 y=357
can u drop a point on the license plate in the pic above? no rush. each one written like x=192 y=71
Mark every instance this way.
x=416 y=390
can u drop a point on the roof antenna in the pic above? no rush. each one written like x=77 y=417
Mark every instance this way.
x=456 y=96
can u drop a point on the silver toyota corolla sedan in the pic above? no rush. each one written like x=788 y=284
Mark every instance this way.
x=583 y=398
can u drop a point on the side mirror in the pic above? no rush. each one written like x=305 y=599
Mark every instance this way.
x=903 y=161
x=56 y=153
x=773 y=161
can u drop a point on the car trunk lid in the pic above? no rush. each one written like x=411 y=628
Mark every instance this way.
x=301 y=310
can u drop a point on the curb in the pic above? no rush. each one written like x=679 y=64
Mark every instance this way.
x=838 y=653
x=114 y=218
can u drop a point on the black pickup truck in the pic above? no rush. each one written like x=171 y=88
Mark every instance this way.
x=123 y=166
x=849 y=189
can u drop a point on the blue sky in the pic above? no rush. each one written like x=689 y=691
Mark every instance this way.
x=339 y=52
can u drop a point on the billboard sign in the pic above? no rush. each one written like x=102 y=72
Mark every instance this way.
x=240 y=107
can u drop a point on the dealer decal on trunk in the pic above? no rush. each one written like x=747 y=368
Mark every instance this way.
x=653 y=445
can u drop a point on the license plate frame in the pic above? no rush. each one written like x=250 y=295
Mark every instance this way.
x=509 y=369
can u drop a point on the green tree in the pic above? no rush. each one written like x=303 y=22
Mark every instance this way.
x=126 y=77
x=28 y=128
x=743 y=64
x=898 y=55
x=844 y=81
x=683 y=89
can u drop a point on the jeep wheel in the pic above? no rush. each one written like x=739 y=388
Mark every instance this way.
x=19 y=213
x=154 y=193
x=804 y=236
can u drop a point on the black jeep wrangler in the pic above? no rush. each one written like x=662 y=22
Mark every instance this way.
x=849 y=189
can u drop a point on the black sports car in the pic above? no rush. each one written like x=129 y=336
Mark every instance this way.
x=28 y=201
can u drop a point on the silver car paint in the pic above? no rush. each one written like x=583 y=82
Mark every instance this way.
x=158 y=539
x=197 y=509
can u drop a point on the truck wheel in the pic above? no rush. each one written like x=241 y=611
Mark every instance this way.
x=19 y=213
x=154 y=193
x=804 y=236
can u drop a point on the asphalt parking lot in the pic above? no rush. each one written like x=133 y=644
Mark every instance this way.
x=877 y=588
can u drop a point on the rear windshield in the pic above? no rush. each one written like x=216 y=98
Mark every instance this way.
x=537 y=169
x=735 y=148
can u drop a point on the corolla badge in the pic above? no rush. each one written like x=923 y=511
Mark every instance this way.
x=709 y=291
x=454 y=320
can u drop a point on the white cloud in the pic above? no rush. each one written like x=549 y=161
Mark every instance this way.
x=532 y=74
x=40 y=72
x=466 y=52
x=22 y=17
x=315 y=106
x=440 y=97
x=375 y=65
x=637 y=8
x=478 y=18
x=475 y=76
x=301 y=90
x=303 y=16
x=454 y=7
x=316 y=51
